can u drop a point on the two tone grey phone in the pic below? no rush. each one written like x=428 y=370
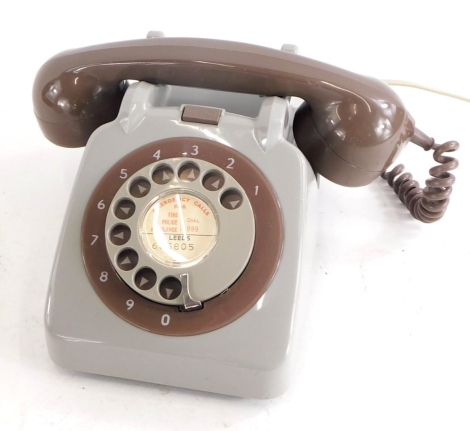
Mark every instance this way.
x=189 y=233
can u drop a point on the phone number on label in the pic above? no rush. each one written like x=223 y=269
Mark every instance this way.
x=175 y=246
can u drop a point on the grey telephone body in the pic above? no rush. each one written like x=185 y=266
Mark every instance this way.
x=249 y=357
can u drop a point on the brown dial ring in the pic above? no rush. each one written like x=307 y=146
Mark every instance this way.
x=219 y=311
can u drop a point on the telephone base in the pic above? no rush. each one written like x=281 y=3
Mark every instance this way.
x=251 y=356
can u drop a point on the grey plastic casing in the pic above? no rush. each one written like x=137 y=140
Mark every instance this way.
x=250 y=357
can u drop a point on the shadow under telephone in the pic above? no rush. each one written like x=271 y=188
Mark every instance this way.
x=185 y=248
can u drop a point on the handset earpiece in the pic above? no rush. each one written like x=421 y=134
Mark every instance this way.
x=74 y=104
x=351 y=138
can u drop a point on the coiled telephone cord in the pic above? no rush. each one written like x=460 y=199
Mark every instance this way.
x=429 y=204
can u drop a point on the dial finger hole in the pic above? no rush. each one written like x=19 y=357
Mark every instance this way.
x=189 y=172
x=145 y=278
x=213 y=181
x=124 y=209
x=120 y=234
x=127 y=259
x=139 y=188
x=231 y=199
x=163 y=175
x=170 y=288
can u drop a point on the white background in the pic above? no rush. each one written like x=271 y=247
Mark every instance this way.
x=387 y=342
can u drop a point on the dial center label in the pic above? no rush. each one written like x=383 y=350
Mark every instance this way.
x=179 y=229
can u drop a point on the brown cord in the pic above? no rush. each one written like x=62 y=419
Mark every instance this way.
x=430 y=204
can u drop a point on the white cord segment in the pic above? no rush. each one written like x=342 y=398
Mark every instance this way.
x=425 y=88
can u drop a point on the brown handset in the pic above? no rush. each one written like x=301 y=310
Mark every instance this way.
x=350 y=128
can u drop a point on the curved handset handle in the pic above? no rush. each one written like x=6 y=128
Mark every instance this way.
x=350 y=129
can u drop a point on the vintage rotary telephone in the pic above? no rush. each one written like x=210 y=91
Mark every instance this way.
x=184 y=248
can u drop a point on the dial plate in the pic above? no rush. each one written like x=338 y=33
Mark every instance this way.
x=221 y=309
